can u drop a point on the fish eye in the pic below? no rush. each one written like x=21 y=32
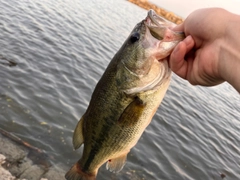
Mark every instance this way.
x=134 y=37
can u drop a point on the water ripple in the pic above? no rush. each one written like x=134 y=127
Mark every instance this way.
x=62 y=48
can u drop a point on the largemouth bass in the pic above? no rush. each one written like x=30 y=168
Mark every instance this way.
x=125 y=98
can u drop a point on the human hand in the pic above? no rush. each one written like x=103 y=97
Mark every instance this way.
x=199 y=57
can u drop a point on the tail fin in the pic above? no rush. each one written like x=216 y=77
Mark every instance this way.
x=75 y=173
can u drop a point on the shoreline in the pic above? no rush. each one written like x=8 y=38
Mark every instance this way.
x=19 y=162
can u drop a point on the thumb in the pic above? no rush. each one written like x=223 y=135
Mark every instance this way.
x=177 y=61
x=178 y=28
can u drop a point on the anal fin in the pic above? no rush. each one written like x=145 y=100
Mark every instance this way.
x=78 y=135
x=116 y=164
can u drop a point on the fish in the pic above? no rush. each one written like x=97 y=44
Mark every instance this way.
x=125 y=98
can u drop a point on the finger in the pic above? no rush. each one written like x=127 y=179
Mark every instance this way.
x=176 y=61
x=190 y=43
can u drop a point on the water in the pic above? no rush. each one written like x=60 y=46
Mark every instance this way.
x=61 y=49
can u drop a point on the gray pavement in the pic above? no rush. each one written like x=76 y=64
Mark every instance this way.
x=18 y=163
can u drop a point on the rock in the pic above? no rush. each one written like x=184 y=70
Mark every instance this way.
x=17 y=169
x=33 y=172
x=55 y=174
x=11 y=151
x=4 y=174
x=17 y=161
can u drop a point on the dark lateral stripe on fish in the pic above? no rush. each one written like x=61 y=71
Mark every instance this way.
x=97 y=146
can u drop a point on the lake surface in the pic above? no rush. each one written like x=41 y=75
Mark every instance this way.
x=61 y=48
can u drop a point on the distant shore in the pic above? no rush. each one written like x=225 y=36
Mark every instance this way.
x=160 y=11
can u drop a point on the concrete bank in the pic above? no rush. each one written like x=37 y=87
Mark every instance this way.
x=19 y=162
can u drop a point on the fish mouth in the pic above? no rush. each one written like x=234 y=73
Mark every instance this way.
x=158 y=27
x=154 y=20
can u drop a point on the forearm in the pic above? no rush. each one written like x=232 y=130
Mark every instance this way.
x=229 y=57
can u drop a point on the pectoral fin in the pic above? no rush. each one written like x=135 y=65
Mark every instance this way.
x=78 y=134
x=115 y=165
x=132 y=113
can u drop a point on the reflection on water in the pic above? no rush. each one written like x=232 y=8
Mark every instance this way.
x=61 y=49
